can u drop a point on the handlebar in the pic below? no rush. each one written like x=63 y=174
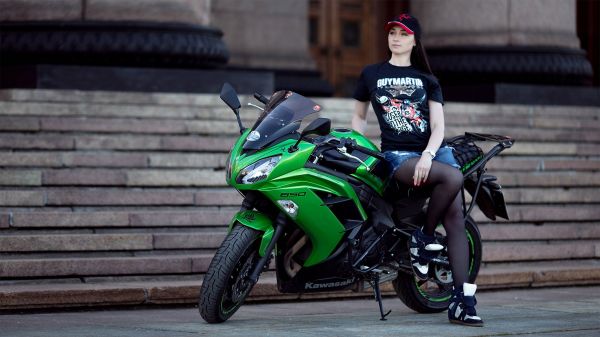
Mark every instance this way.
x=261 y=98
x=351 y=144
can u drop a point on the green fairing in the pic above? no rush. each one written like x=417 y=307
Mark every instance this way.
x=316 y=219
x=258 y=221
x=290 y=178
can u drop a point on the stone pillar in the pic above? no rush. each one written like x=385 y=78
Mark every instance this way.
x=148 y=45
x=175 y=11
x=532 y=42
x=196 y=12
x=272 y=37
x=452 y=23
x=265 y=33
x=110 y=32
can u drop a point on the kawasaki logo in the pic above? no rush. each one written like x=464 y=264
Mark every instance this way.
x=312 y=285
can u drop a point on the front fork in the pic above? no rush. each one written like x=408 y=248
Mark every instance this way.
x=258 y=221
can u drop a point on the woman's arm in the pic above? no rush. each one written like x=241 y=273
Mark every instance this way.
x=436 y=120
x=359 y=119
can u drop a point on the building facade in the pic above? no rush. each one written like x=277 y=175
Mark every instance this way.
x=490 y=50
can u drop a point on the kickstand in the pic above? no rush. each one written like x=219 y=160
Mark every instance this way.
x=377 y=291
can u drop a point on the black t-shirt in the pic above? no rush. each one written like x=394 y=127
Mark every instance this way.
x=399 y=96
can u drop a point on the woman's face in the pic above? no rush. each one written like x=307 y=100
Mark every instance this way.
x=399 y=41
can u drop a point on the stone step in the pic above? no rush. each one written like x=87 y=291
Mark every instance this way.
x=535 y=251
x=133 y=218
x=547 y=148
x=545 y=214
x=499 y=240
x=563 y=194
x=551 y=195
x=21 y=266
x=75 y=242
x=558 y=135
x=216 y=178
x=56 y=267
x=96 y=159
x=114 y=196
x=109 y=242
x=129 y=142
x=109 y=97
x=15 y=141
x=158 y=127
x=539 y=274
x=117 y=125
x=98 y=294
x=230 y=197
x=534 y=232
x=548 y=179
x=517 y=126
x=129 y=177
x=549 y=163
x=208 y=100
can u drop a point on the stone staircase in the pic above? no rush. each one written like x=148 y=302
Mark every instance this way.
x=119 y=198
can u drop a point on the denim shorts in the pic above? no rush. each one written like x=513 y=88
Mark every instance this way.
x=397 y=158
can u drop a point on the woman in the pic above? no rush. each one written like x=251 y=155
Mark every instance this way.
x=407 y=100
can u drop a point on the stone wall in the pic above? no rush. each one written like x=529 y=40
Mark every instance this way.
x=175 y=11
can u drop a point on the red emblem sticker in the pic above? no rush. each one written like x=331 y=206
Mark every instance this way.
x=316 y=108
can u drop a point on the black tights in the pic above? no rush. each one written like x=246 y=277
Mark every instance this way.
x=445 y=183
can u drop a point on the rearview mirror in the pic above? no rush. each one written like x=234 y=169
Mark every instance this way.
x=230 y=97
x=320 y=126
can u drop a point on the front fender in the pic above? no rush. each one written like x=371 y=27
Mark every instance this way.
x=257 y=221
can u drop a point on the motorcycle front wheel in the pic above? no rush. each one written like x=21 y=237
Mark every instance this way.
x=433 y=295
x=226 y=283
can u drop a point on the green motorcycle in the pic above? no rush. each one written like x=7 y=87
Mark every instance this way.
x=320 y=202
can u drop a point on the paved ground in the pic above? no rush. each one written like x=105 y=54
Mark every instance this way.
x=573 y=311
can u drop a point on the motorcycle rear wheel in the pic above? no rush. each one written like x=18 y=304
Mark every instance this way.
x=226 y=283
x=430 y=296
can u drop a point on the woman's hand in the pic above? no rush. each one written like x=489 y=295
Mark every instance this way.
x=422 y=169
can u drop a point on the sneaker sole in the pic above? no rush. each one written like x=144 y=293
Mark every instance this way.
x=456 y=321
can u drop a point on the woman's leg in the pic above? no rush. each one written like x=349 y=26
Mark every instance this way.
x=445 y=182
x=458 y=245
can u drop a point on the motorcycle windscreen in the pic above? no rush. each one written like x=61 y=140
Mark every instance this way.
x=282 y=116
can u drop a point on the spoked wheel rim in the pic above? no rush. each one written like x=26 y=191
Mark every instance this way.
x=239 y=284
x=439 y=287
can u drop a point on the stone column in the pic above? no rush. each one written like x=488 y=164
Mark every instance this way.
x=265 y=33
x=110 y=45
x=175 y=11
x=503 y=41
x=452 y=23
x=111 y=32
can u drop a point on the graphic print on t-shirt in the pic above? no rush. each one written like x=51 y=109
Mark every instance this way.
x=401 y=100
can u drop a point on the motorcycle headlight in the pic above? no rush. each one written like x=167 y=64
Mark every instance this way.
x=258 y=171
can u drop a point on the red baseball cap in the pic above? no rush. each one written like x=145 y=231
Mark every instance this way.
x=407 y=22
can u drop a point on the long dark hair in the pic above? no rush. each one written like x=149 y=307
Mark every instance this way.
x=418 y=58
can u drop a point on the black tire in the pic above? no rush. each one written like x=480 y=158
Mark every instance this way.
x=432 y=296
x=226 y=284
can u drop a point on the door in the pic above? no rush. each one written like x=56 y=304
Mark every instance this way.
x=340 y=33
x=346 y=35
